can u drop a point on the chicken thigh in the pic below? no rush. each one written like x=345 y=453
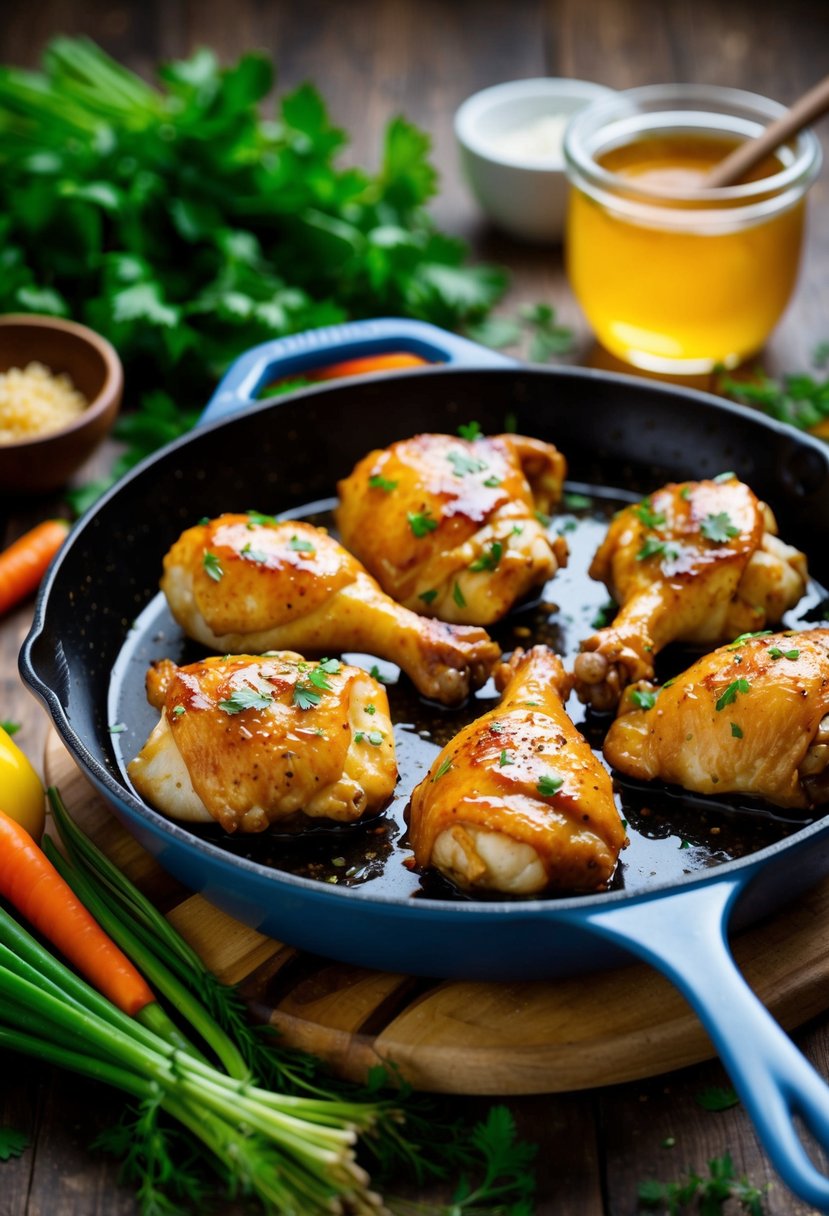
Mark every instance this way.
x=450 y=527
x=696 y=562
x=250 y=742
x=517 y=802
x=250 y=583
x=751 y=718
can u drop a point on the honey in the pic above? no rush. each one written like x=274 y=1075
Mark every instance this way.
x=674 y=277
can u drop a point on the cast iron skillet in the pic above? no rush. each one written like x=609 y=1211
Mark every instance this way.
x=286 y=453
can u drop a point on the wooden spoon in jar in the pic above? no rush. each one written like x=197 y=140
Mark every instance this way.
x=731 y=170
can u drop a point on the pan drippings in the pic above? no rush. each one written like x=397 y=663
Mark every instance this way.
x=671 y=832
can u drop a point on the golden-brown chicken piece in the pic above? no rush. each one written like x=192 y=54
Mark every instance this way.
x=751 y=718
x=517 y=802
x=449 y=526
x=249 y=583
x=251 y=741
x=696 y=562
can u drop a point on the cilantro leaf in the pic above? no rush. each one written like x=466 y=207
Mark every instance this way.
x=730 y=695
x=746 y=637
x=462 y=463
x=653 y=547
x=490 y=559
x=736 y=731
x=13 y=1143
x=549 y=785
x=246 y=698
x=777 y=653
x=469 y=430
x=646 y=515
x=256 y=517
x=719 y=528
x=428 y=596
x=505 y=759
x=299 y=545
x=643 y=699
x=421 y=522
x=212 y=566
x=305 y=697
x=376 y=482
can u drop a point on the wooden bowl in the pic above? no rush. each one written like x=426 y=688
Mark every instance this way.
x=43 y=463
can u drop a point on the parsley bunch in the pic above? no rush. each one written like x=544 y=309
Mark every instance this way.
x=801 y=399
x=186 y=224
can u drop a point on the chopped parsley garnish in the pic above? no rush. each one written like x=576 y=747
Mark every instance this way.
x=305 y=697
x=777 y=653
x=428 y=596
x=685 y=492
x=376 y=675
x=469 y=430
x=492 y=482
x=721 y=477
x=654 y=547
x=746 y=637
x=457 y=596
x=462 y=464
x=12 y=1143
x=421 y=522
x=646 y=515
x=604 y=615
x=251 y=554
x=375 y=737
x=332 y=666
x=543 y=519
x=178 y=710
x=205 y=519
x=517 y=529
x=212 y=565
x=246 y=698
x=577 y=502
x=376 y=482
x=11 y=728
x=256 y=517
x=300 y=546
x=736 y=731
x=547 y=785
x=443 y=770
x=371 y=709
x=505 y=759
x=719 y=528
x=496 y=727
x=490 y=559
x=717 y=1097
x=643 y=699
x=117 y=728
x=730 y=694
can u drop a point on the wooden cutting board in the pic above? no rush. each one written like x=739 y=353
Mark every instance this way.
x=462 y=1037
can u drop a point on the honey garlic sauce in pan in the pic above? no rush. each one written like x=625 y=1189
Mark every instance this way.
x=671 y=833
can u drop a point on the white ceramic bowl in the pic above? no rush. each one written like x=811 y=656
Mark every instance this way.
x=523 y=192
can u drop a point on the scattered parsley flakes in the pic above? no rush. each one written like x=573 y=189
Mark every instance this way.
x=212 y=566
x=604 y=615
x=490 y=559
x=469 y=430
x=462 y=463
x=547 y=785
x=331 y=666
x=746 y=637
x=730 y=694
x=428 y=597
x=421 y=522
x=179 y=710
x=719 y=528
x=710 y=1193
x=305 y=697
x=300 y=546
x=736 y=731
x=721 y=477
x=205 y=519
x=517 y=529
x=256 y=517
x=653 y=547
x=246 y=698
x=371 y=710
x=543 y=519
x=496 y=727
x=252 y=555
x=443 y=770
x=577 y=502
x=505 y=758
x=11 y=728
x=376 y=482
x=376 y=674
x=12 y=1143
x=643 y=699
x=685 y=492
x=646 y=515
x=493 y=482
x=777 y=653
x=457 y=596
x=375 y=737
x=117 y=728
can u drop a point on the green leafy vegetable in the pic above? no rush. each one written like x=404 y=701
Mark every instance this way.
x=305 y=697
x=462 y=463
x=458 y=596
x=800 y=399
x=12 y=1143
x=469 y=430
x=736 y=731
x=11 y=728
x=428 y=597
x=604 y=614
x=548 y=338
x=252 y=555
x=301 y=546
x=549 y=785
x=505 y=759
x=577 y=502
x=653 y=547
x=777 y=653
x=746 y=637
x=212 y=566
x=257 y=518
x=730 y=694
x=375 y=737
x=717 y=1097
x=718 y=528
x=711 y=1193
x=376 y=482
x=646 y=515
x=421 y=522
x=643 y=699
x=490 y=559
x=443 y=769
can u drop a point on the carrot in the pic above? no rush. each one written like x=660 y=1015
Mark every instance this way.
x=370 y=363
x=24 y=563
x=32 y=885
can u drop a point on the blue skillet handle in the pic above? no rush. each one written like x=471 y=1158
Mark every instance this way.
x=684 y=935
x=300 y=353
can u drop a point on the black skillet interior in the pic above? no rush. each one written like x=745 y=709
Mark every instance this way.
x=622 y=438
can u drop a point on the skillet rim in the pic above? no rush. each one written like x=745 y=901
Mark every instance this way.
x=156 y=823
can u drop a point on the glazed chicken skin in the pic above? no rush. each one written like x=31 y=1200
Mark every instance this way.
x=449 y=527
x=696 y=562
x=751 y=718
x=517 y=802
x=251 y=741
x=248 y=583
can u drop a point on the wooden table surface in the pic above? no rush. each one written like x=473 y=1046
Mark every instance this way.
x=372 y=59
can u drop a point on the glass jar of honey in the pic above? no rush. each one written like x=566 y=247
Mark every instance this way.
x=673 y=276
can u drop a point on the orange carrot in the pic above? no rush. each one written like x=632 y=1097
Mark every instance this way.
x=32 y=885
x=371 y=363
x=24 y=563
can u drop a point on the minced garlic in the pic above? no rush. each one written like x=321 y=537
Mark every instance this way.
x=34 y=401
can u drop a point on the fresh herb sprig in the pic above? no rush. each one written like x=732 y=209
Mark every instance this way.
x=711 y=1194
